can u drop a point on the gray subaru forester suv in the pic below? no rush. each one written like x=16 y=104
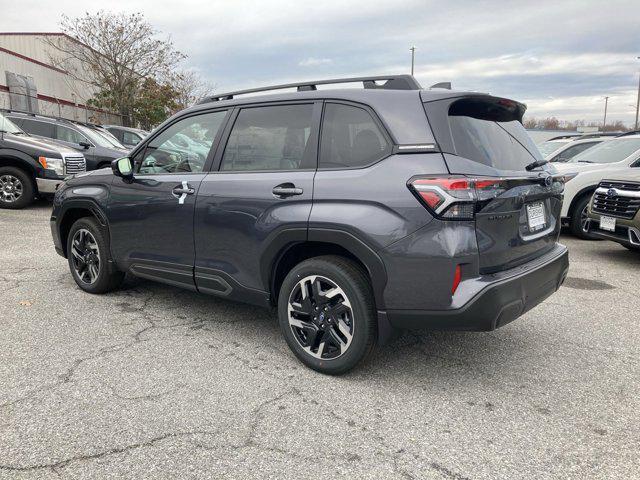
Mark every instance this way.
x=354 y=212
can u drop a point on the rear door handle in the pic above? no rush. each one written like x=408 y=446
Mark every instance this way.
x=181 y=191
x=287 y=190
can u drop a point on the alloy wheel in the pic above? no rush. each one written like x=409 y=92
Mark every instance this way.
x=321 y=317
x=11 y=188
x=86 y=256
x=584 y=218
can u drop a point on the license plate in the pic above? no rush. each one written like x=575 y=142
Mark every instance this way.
x=608 y=223
x=536 y=216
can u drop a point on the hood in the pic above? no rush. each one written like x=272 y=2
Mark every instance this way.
x=112 y=152
x=41 y=146
x=565 y=167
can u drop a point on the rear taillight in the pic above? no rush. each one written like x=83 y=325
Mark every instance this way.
x=455 y=197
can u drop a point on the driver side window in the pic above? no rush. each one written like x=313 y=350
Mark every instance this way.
x=183 y=147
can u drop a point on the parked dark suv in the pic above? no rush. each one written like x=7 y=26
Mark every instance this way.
x=354 y=211
x=98 y=147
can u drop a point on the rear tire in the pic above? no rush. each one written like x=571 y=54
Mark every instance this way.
x=88 y=256
x=16 y=188
x=327 y=314
x=579 y=217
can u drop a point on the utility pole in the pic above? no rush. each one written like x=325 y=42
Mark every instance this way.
x=413 y=59
x=604 y=122
x=637 y=101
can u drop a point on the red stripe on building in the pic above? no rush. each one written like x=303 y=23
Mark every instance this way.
x=32 y=60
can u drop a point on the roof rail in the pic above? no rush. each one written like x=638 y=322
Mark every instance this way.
x=392 y=82
x=53 y=117
x=563 y=137
x=631 y=132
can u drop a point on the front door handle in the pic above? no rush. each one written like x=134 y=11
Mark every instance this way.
x=181 y=192
x=286 y=190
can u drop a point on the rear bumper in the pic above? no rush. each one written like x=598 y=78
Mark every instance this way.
x=505 y=297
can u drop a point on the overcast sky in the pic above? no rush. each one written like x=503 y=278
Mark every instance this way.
x=560 y=57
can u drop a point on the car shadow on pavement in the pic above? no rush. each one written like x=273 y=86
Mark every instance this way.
x=409 y=354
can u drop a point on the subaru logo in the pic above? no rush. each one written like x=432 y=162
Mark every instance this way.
x=612 y=192
x=548 y=180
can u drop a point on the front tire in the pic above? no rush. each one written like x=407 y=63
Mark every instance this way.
x=327 y=315
x=16 y=188
x=88 y=256
x=579 y=218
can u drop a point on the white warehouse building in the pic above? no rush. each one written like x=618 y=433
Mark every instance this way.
x=29 y=80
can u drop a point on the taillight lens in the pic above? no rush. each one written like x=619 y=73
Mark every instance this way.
x=454 y=197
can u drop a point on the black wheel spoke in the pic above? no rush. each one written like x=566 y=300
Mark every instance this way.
x=85 y=255
x=320 y=317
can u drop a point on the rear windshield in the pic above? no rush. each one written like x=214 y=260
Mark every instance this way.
x=614 y=150
x=490 y=132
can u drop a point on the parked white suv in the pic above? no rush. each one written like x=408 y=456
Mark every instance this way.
x=564 y=148
x=607 y=160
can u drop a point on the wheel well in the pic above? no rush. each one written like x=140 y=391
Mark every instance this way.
x=299 y=252
x=69 y=218
x=103 y=165
x=576 y=199
x=17 y=163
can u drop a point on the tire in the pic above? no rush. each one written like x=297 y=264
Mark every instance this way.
x=89 y=260
x=16 y=188
x=579 y=210
x=331 y=334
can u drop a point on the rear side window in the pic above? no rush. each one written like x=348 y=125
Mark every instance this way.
x=490 y=132
x=42 y=129
x=68 y=135
x=270 y=138
x=574 y=150
x=350 y=138
x=129 y=138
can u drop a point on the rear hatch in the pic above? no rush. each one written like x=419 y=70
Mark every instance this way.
x=516 y=210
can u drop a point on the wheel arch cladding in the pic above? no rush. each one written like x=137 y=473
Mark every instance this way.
x=578 y=196
x=327 y=242
x=72 y=213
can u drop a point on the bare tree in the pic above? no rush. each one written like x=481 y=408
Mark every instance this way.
x=190 y=87
x=114 y=53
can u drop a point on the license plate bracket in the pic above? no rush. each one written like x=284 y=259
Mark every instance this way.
x=608 y=223
x=536 y=216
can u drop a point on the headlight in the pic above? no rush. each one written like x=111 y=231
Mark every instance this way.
x=55 y=164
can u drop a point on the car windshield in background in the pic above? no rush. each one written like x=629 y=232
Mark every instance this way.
x=609 y=152
x=546 y=148
x=8 y=126
x=97 y=138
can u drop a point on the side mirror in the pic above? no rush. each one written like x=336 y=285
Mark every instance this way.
x=85 y=145
x=123 y=168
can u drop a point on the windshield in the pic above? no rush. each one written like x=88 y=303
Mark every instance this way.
x=614 y=150
x=8 y=126
x=97 y=138
x=548 y=147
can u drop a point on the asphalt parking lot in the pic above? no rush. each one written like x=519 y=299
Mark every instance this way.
x=156 y=382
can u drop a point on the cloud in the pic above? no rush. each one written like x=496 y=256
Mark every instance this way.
x=314 y=62
x=559 y=57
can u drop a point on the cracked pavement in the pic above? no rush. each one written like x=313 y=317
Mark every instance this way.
x=155 y=382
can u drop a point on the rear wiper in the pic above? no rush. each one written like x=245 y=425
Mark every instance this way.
x=536 y=164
